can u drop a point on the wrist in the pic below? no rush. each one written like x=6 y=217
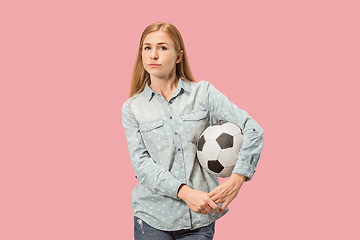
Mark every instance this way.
x=238 y=177
x=183 y=189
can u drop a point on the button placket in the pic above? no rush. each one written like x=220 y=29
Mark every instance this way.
x=178 y=147
x=169 y=107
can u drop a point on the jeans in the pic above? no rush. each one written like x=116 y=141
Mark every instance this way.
x=143 y=231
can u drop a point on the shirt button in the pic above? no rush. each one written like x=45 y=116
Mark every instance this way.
x=170 y=117
x=175 y=133
x=170 y=102
x=179 y=149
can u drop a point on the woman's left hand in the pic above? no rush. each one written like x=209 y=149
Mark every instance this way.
x=227 y=191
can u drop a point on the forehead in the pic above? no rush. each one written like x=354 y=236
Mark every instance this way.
x=158 y=37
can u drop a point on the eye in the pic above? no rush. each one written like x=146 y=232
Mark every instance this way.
x=145 y=48
x=163 y=48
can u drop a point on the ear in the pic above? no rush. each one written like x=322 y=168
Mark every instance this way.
x=180 y=56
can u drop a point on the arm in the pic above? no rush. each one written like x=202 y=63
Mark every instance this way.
x=152 y=175
x=221 y=108
x=227 y=191
x=198 y=201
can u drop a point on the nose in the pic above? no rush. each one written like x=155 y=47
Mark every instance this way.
x=154 y=55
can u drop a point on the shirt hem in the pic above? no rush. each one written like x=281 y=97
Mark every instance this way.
x=198 y=225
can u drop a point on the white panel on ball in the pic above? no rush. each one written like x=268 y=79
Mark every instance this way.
x=238 y=141
x=212 y=133
x=227 y=157
x=211 y=150
x=226 y=172
x=231 y=128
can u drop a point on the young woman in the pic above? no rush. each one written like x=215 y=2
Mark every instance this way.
x=165 y=114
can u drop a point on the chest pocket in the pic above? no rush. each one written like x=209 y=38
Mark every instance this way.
x=194 y=116
x=194 y=124
x=154 y=136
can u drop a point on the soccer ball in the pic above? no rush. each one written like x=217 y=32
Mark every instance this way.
x=218 y=148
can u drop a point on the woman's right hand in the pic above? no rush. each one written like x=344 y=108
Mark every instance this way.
x=198 y=201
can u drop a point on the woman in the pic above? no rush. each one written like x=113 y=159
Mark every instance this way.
x=166 y=112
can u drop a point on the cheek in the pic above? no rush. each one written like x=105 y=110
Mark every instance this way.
x=170 y=60
x=144 y=64
x=143 y=60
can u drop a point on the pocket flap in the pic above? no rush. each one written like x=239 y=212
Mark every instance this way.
x=195 y=115
x=145 y=127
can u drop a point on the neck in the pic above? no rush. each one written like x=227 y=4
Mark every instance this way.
x=166 y=87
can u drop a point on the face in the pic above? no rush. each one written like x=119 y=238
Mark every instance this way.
x=158 y=48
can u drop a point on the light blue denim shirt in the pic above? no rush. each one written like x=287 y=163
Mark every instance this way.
x=162 y=137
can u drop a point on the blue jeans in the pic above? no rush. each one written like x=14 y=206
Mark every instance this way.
x=143 y=231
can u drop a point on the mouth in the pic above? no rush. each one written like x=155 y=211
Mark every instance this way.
x=154 y=65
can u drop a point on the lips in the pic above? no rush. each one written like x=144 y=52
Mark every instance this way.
x=154 y=65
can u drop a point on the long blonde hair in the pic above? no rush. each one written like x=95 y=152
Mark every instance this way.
x=140 y=76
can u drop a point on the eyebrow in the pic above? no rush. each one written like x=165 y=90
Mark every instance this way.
x=157 y=43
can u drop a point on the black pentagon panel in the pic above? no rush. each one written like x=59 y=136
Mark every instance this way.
x=215 y=166
x=225 y=141
x=201 y=143
x=221 y=122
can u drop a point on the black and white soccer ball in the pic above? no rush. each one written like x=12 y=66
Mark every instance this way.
x=218 y=148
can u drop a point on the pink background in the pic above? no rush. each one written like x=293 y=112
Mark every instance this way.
x=65 y=68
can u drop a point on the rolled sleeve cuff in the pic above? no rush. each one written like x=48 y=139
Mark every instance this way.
x=245 y=169
x=177 y=189
x=173 y=191
x=165 y=187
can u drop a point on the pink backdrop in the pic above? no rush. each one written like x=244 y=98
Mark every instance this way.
x=65 y=67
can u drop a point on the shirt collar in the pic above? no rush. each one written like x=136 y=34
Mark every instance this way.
x=182 y=84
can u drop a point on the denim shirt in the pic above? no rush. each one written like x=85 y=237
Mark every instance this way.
x=162 y=137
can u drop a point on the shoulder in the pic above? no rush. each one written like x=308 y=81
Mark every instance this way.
x=133 y=101
x=208 y=90
x=204 y=88
x=201 y=85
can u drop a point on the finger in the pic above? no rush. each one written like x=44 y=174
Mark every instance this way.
x=223 y=207
x=216 y=197
x=208 y=209
x=203 y=211
x=220 y=200
x=199 y=210
x=213 y=205
x=213 y=192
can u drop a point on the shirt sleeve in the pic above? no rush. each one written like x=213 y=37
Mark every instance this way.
x=150 y=174
x=222 y=109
